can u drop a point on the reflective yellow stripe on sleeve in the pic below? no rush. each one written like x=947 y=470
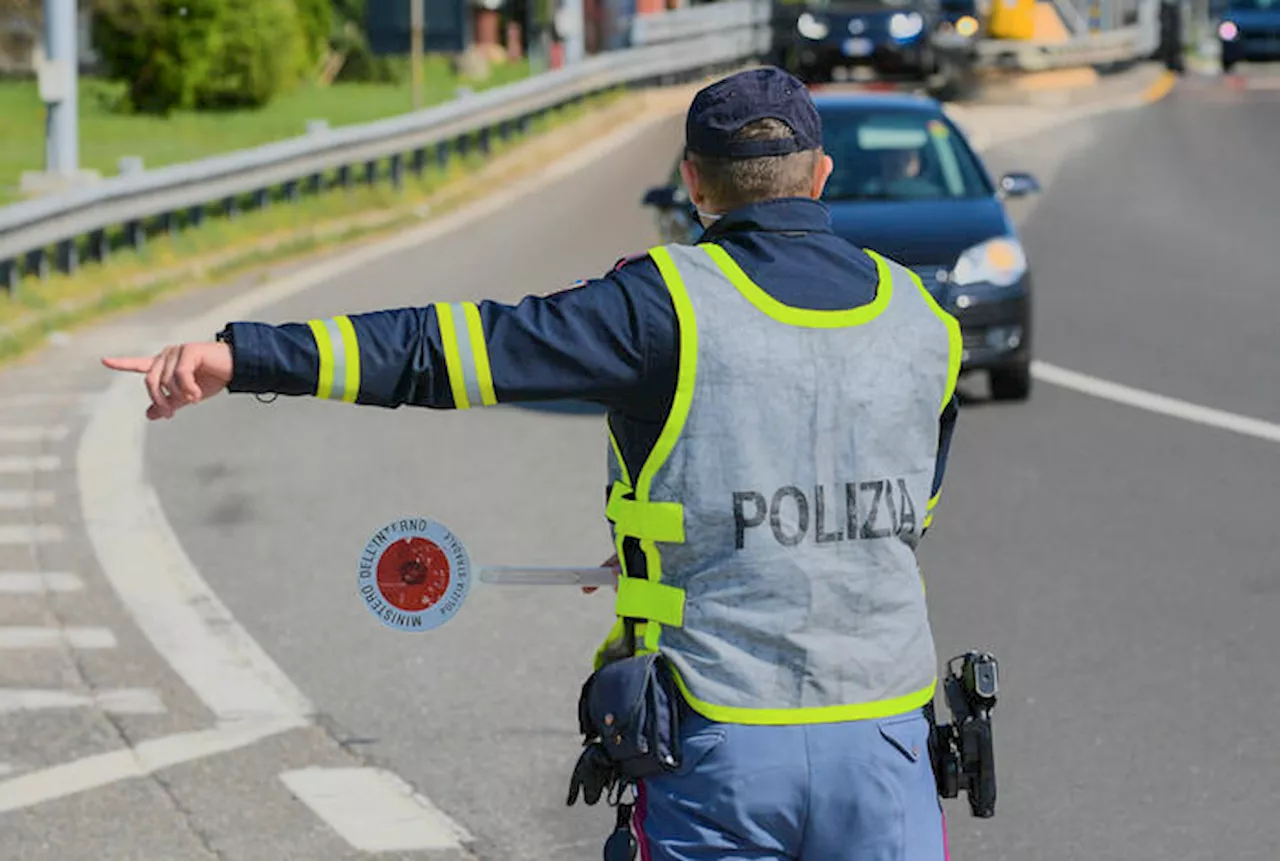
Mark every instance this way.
x=339 y=377
x=466 y=356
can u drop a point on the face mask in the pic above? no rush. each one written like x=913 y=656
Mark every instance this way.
x=708 y=218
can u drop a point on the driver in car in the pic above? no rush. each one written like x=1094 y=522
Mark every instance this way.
x=900 y=176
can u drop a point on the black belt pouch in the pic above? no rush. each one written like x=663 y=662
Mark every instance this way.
x=632 y=707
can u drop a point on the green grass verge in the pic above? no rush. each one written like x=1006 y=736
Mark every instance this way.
x=106 y=136
x=224 y=247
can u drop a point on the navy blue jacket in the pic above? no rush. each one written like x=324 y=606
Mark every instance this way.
x=611 y=340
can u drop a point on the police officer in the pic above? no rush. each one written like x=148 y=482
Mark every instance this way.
x=780 y=404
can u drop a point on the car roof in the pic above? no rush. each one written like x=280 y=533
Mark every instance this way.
x=908 y=102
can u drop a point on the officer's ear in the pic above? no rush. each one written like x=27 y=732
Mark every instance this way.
x=691 y=182
x=823 y=165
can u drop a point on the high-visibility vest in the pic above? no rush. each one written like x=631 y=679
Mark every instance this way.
x=779 y=511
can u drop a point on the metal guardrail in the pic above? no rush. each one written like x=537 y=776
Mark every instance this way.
x=30 y=230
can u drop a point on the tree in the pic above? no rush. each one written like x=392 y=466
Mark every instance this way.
x=162 y=48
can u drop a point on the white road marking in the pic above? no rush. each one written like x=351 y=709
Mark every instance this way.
x=33 y=434
x=122 y=701
x=23 y=499
x=85 y=400
x=1152 y=402
x=21 y=637
x=374 y=810
x=30 y=533
x=29 y=464
x=33 y=583
x=144 y=758
x=145 y=563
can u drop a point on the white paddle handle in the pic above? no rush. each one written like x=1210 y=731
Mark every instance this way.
x=518 y=575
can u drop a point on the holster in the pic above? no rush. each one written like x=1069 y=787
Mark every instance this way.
x=631 y=709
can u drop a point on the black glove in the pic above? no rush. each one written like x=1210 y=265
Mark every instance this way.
x=593 y=774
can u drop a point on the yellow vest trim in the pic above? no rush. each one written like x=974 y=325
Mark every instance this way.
x=676 y=417
x=646 y=599
x=824 y=714
x=655 y=521
x=805 y=317
x=626 y=478
x=953 y=334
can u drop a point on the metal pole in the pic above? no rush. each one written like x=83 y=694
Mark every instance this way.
x=575 y=26
x=416 y=24
x=61 y=128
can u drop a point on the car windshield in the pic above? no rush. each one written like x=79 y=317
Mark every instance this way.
x=898 y=156
x=1256 y=5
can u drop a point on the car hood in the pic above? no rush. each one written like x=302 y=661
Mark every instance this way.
x=920 y=233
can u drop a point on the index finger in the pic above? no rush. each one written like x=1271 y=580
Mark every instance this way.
x=138 y=364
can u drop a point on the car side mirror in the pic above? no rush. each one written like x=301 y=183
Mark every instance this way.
x=665 y=197
x=1018 y=185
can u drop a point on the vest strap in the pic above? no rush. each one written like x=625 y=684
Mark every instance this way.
x=648 y=521
x=646 y=599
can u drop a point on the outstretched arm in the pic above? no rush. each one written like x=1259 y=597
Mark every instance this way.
x=583 y=343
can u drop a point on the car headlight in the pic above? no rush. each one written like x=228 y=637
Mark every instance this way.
x=1228 y=31
x=967 y=26
x=998 y=261
x=811 y=27
x=905 y=25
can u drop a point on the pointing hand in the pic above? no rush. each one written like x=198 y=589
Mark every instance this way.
x=180 y=375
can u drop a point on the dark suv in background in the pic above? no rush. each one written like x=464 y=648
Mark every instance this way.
x=826 y=40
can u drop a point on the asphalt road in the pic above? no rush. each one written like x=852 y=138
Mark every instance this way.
x=1121 y=564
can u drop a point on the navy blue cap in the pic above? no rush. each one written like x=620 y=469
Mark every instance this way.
x=721 y=109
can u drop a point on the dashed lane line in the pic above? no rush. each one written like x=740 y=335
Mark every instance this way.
x=22 y=637
x=120 y=701
x=38 y=582
x=23 y=500
x=373 y=809
x=30 y=463
x=27 y=534
x=142 y=759
x=33 y=434
x=84 y=401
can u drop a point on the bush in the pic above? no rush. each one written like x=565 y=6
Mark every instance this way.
x=161 y=48
x=317 y=20
x=260 y=51
x=204 y=54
